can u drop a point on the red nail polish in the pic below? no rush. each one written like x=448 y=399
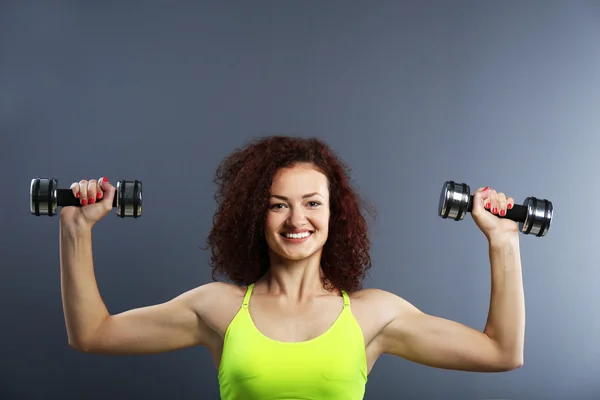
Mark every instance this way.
x=99 y=196
x=487 y=205
x=494 y=210
x=502 y=213
x=83 y=202
x=105 y=179
x=92 y=200
x=509 y=206
x=486 y=188
x=77 y=195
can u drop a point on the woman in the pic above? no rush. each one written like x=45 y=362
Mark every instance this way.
x=290 y=235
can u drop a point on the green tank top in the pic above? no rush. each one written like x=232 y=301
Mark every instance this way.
x=331 y=366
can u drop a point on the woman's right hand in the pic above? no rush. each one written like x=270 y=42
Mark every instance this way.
x=96 y=198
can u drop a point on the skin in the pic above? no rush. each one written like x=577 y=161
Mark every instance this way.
x=289 y=303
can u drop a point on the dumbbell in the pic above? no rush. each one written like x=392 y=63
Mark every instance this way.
x=534 y=216
x=45 y=197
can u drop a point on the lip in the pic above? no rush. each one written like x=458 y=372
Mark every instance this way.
x=299 y=240
x=297 y=231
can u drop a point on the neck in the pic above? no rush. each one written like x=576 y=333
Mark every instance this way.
x=296 y=280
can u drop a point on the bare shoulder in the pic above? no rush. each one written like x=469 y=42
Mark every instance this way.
x=373 y=297
x=216 y=303
x=212 y=294
x=375 y=308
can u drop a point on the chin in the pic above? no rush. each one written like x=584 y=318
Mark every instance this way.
x=297 y=255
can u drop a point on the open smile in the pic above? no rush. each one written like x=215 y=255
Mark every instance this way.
x=297 y=237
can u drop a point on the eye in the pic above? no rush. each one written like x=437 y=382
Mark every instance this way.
x=313 y=204
x=276 y=206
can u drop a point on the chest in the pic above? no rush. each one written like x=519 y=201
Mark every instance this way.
x=272 y=353
x=287 y=322
x=263 y=369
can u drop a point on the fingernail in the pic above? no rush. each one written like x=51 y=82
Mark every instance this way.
x=502 y=213
x=92 y=200
x=99 y=196
x=77 y=195
x=487 y=205
x=494 y=210
x=105 y=179
x=509 y=206
x=83 y=202
x=486 y=188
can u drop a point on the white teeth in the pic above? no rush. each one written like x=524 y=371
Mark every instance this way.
x=297 y=235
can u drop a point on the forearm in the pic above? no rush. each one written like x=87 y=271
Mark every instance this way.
x=506 y=318
x=83 y=307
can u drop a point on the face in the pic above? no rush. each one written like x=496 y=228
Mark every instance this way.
x=297 y=220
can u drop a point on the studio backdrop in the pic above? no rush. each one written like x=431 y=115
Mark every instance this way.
x=409 y=93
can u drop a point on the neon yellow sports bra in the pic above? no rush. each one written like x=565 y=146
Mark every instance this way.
x=331 y=366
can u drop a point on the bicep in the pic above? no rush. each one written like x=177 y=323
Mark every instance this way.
x=439 y=342
x=157 y=328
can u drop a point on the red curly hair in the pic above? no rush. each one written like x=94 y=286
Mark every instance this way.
x=237 y=238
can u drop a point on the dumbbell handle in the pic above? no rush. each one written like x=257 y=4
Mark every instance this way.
x=65 y=198
x=517 y=213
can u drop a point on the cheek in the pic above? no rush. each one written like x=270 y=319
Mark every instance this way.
x=272 y=222
x=321 y=221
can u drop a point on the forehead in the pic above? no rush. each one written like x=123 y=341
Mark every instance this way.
x=299 y=180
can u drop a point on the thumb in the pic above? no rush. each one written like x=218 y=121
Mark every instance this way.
x=108 y=193
x=479 y=199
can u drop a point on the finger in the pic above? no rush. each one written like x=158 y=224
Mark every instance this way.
x=501 y=204
x=480 y=198
x=92 y=189
x=493 y=201
x=105 y=186
x=108 y=191
x=483 y=193
x=83 y=188
x=99 y=190
x=510 y=202
x=75 y=189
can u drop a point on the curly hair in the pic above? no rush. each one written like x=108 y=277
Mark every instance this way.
x=237 y=238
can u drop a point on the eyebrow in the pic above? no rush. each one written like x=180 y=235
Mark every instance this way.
x=306 y=196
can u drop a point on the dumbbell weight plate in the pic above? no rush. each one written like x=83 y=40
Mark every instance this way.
x=454 y=200
x=129 y=199
x=538 y=216
x=42 y=197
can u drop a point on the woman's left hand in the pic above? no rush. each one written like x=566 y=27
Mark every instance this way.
x=485 y=199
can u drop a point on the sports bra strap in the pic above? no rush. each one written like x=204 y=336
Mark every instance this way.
x=346 y=299
x=247 y=296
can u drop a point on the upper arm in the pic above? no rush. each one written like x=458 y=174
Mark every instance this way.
x=167 y=326
x=438 y=342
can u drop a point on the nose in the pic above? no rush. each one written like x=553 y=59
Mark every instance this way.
x=297 y=217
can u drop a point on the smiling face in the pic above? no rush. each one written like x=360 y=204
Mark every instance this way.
x=297 y=221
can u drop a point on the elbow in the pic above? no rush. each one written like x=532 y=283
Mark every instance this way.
x=77 y=345
x=516 y=364
x=512 y=362
x=516 y=358
x=80 y=345
x=84 y=340
x=511 y=366
x=508 y=358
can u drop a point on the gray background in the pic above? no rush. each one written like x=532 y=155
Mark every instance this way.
x=410 y=94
